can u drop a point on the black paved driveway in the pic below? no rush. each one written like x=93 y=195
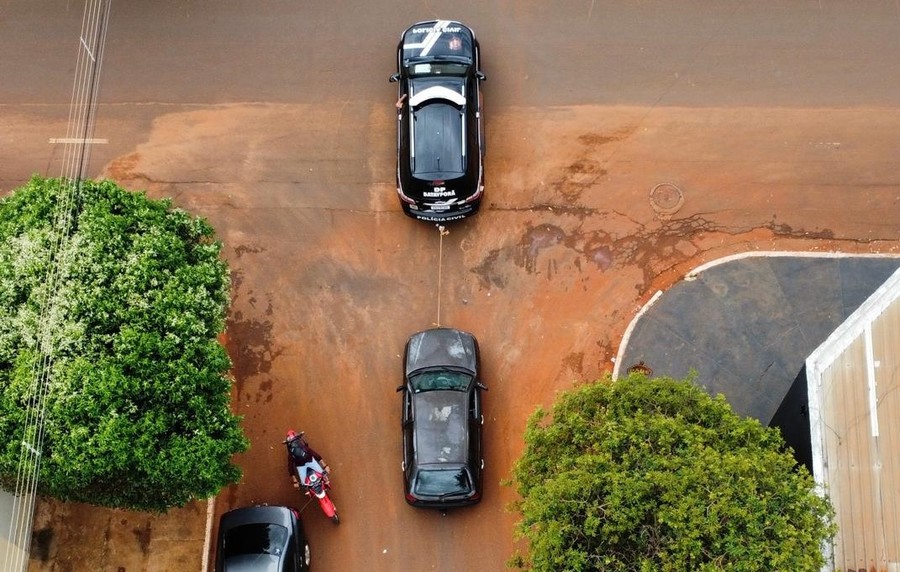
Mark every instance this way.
x=746 y=326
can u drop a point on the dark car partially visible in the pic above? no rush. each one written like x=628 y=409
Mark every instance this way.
x=442 y=419
x=262 y=539
x=440 y=129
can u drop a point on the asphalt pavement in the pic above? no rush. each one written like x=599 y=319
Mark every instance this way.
x=745 y=326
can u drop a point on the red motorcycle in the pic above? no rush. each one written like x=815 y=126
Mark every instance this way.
x=310 y=472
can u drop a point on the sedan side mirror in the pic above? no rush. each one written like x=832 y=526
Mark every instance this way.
x=480 y=385
x=401 y=388
x=479 y=75
x=395 y=77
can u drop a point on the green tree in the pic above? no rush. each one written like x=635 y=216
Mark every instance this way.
x=136 y=412
x=655 y=475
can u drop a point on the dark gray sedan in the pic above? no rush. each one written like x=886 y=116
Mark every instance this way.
x=442 y=419
x=262 y=539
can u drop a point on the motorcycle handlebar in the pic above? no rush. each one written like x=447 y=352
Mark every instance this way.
x=294 y=438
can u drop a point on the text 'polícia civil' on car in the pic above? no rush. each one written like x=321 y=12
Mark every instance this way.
x=440 y=129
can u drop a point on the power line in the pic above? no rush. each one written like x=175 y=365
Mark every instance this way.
x=76 y=157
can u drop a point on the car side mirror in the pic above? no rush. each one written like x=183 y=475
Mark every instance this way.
x=395 y=77
x=479 y=75
x=480 y=385
x=401 y=388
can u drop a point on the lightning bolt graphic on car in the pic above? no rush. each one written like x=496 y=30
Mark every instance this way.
x=429 y=41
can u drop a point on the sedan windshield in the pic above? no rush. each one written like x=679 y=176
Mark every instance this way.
x=432 y=380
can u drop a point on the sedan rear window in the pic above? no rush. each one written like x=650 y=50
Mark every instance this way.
x=255 y=539
x=443 y=482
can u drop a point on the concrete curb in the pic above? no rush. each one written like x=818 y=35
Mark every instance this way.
x=207 y=538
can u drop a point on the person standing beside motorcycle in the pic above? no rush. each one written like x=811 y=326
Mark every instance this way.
x=301 y=454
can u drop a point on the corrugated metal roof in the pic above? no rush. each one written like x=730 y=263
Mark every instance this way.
x=854 y=401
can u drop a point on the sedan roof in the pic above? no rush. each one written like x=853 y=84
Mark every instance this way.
x=442 y=434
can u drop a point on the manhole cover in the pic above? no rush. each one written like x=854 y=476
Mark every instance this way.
x=666 y=199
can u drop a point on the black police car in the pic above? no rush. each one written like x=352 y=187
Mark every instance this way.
x=440 y=130
x=261 y=538
x=442 y=419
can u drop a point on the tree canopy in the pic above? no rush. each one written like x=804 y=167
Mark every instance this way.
x=656 y=475
x=136 y=408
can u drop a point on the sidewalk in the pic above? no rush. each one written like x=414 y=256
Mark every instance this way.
x=76 y=537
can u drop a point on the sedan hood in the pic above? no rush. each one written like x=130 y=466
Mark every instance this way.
x=441 y=347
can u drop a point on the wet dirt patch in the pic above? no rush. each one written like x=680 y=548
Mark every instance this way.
x=578 y=177
x=534 y=241
x=554 y=250
x=143 y=535
x=250 y=341
x=787 y=230
x=656 y=249
x=574 y=362
x=125 y=168
x=254 y=354
x=488 y=272
x=549 y=250
x=41 y=541
x=585 y=166
x=243 y=249
x=597 y=139
x=601 y=256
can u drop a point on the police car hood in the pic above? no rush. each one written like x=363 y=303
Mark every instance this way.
x=436 y=39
